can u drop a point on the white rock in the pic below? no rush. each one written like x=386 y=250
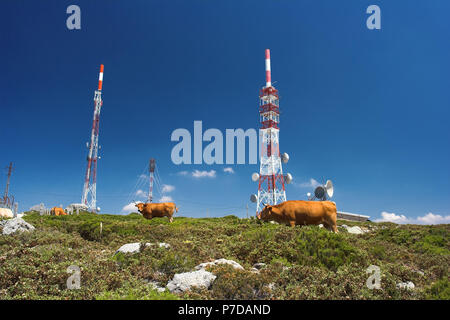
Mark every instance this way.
x=187 y=280
x=130 y=248
x=234 y=264
x=136 y=247
x=155 y=286
x=160 y=244
x=259 y=265
x=409 y=285
x=353 y=230
x=15 y=225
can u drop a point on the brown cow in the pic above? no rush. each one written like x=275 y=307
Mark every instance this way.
x=58 y=212
x=297 y=212
x=151 y=210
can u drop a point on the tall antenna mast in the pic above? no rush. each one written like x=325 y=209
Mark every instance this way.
x=151 y=169
x=7 y=181
x=271 y=181
x=7 y=200
x=89 y=197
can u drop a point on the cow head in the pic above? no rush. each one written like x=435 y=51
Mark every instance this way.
x=140 y=206
x=265 y=213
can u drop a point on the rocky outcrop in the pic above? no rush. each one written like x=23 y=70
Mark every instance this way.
x=234 y=264
x=354 y=230
x=185 y=281
x=199 y=278
x=12 y=226
x=136 y=247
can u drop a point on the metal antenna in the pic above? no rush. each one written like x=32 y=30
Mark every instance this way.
x=151 y=169
x=10 y=168
x=271 y=181
x=89 y=196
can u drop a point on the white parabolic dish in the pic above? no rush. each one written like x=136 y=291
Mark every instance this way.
x=329 y=187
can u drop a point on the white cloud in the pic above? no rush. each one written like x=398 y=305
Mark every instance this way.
x=166 y=199
x=183 y=173
x=228 y=169
x=392 y=217
x=131 y=207
x=36 y=207
x=204 y=174
x=143 y=176
x=167 y=188
x=312 y=183
x=433 y=219
x=141 y=193
x=429 y=218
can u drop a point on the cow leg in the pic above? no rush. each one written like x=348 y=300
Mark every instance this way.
x=331 y=226
x=331 y=222
x=170 y=219
x=292 y=223
x=335 y=229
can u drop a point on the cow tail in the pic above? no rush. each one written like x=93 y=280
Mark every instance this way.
x=176 y=209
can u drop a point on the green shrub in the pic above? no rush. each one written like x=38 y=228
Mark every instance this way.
x=135 y=291
x=440 y=290
x=318 y=246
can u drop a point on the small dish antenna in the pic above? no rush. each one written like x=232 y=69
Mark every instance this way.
x=255 y=177
x=329 y=188
x=324 y=192
x=253 y=198
x=288 y=178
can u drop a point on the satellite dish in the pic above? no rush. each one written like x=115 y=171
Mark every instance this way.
x=253 y=198
x=288 y=178
x=319 y=193
x=255 y=176
x=324 y=192
x=285 y=157
x=329 y=188
x=98 y=209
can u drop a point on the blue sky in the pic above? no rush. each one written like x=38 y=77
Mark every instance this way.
x=366 y=108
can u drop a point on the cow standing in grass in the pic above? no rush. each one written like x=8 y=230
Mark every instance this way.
x=297 y=212
x=151 y=210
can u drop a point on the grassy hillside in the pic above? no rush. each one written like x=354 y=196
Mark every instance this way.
x=302 y=263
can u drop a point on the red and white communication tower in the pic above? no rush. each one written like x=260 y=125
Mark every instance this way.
x=7 y=200
x=151 y=169
x=89 y=197
x=271 y=181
